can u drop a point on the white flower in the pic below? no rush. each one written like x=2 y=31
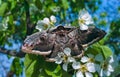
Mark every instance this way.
x=91 y=67
x=46 y=21
x=64 y=66
x=88 y=74
x=86 y=69
x=40 y=25
x=106 y=67
x=92 y=58
x=53 y=19
x=84 y=19
x=79 y=74
x=84 y=59
x=58 y=60
x=107 y=71
x=64 y=57
x=76 y=65
x=67 y=51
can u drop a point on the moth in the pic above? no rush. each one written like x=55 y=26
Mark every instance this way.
x=49 y=42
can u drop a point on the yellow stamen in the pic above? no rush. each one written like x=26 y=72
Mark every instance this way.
x=81 y=21
x=91 y=60
x=83 y=68
x=105 y=65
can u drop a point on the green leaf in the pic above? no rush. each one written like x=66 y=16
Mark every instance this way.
x=107 y=52
x=103 y=22
x=103 y=14
x=53 y=70
x=65 y=4
x=35 y=66
x=32 y=65
x=94 y=49
x=16 y=66
x=38 y=4
x=97 y=48
x=3 y=8
x=13 y=4
x=65 y=74
x=116 y=71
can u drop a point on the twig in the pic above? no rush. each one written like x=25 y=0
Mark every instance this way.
x=12 y=53
x=30 y=26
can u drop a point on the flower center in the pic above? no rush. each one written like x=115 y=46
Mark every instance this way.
x=81 y=21
x=45 y=26
x=65 y=58
x=104 y=65
x=91 y=60
x=83 y=68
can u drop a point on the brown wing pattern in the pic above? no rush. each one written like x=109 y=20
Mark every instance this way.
x=50 y=42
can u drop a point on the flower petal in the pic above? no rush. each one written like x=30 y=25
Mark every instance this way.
x=111 y=59
x=61 y=54
x=64 y=66
x=97 y=68
x=83 y=13
x=83 y=27
x=101 y=73
x=110 y=68
x=84 y=59
x=99 y=57
x=76 y=65
x=86 y=15
x=108 y=73
x=91 y=67
x=88 y=22
x=40 y=25
x=58 y=60
x=67 y=51
x=79 y=74
x=46 y=20
x=71 y=59
x=53 y=19
x=88 y=74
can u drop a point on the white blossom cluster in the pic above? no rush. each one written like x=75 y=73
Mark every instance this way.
x=87 y=65
x=84 y=19
x=45 y=23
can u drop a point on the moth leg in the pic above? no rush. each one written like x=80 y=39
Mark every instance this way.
x=29 y=50
x=41 y=52
x=89 y=43
x=50 y=59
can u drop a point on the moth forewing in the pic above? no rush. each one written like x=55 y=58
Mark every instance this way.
x=91 y=36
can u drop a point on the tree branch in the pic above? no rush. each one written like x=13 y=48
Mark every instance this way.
x=10 y=74
x=30 y=26
x=12 y=53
